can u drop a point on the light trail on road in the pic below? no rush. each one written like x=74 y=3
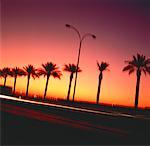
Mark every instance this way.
x=57 y=119
x=116 y=114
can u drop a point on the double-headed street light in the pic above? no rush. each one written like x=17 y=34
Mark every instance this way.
x=81 y=38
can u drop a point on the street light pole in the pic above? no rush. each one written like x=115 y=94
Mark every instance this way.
x=80 y=44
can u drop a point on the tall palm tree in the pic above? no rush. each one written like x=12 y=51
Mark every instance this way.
x=72 y=69
x=101 y=67
x=5 y=72
x=1 y=73
x=47 y=70
x=139 y=64
x=15 y=73
x=30 y=71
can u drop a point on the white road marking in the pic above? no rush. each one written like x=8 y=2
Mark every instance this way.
x=70 y=108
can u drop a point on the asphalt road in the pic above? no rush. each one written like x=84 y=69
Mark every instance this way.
x=31 y=122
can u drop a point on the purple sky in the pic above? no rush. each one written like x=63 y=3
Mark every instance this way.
x=37 y=28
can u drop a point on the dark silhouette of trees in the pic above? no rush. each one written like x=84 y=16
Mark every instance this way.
x=72 y=69
x=101 y=67
x=30 y=71
x=139 y=64
x=47 y=70
x=15 y=73
x=1 y=73
x=5 y=72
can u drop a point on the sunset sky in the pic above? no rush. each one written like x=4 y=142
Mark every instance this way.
x=34 y=32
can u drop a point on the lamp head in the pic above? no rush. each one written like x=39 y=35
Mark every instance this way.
x=67 y=25
x=93 y=36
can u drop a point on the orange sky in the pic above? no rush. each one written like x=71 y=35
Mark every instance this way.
x=34 y=34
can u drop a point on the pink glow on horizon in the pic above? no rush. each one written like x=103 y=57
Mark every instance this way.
x=35 y=34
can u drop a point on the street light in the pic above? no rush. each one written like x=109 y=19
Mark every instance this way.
x=81 y=38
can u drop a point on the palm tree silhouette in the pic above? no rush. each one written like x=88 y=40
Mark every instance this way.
x=5 y=72
x=15 y=73
x=139 y=64
x=1 y=73
x=30 y=71
x=47 y=70
x=72 y=69
x=101 y=67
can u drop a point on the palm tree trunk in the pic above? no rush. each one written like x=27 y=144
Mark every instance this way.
x=5 y=81
x=46 y=86
x=71 y=77
x=15 y=79
x=99 y=86
x=137 y=89
x=28 y=85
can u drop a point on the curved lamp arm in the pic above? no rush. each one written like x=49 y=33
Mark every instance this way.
x=70 y=26
x=88 y=34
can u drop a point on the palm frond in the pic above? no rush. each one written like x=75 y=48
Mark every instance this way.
x=144 y=70
x=147 y=69
x=56 y=74
x=128 y=67
x=139 y=62
x=48 y=69
x=31 y=70
x=41 y=71
x=103 y=66
x=131 y=71
x=71 y=68
x=18 y=72
x=6 y=71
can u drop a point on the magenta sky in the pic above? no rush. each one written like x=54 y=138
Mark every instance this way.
x=122 y=25
x=33 y=31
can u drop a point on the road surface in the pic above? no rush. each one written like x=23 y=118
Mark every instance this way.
x=32 y=122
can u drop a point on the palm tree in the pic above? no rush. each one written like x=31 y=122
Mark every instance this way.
x=72 y=69
x=15 y=73
x=101 y=67
x=30 y=71
x=47 y=70
x=1 y=73
x=139 y=64
x=5 y=72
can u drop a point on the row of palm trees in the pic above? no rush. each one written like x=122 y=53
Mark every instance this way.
x=48 y=69
x=138 y=63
